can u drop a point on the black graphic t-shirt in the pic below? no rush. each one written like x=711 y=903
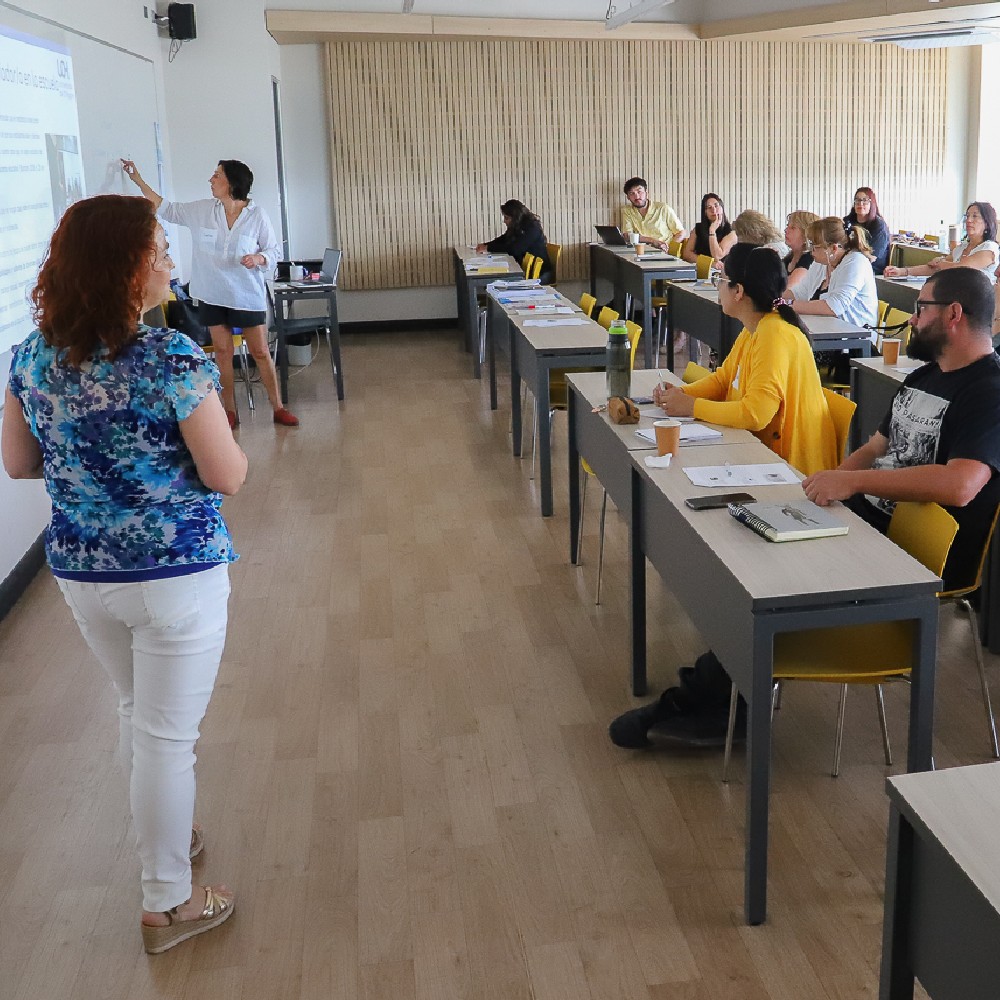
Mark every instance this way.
x=938 y=416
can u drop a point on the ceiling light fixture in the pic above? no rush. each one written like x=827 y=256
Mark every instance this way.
x=636 y=10
x=948 y=38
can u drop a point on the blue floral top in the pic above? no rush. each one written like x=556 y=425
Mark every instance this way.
x=127 y=503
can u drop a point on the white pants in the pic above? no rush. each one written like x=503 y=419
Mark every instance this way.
x=161 y=642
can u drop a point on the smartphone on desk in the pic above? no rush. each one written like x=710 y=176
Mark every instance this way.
x=715 y=500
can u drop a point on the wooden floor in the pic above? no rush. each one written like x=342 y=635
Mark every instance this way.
x=405 y=772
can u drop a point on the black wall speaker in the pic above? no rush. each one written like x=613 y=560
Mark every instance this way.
x=180 y=20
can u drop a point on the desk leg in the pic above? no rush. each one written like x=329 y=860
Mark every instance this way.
x=491 y=318
x=670 y=331
x=854 y=434
x=471 y=314
x=637 y=588
x=515 y=394
x=544 y=438
x=758 y=790
x=647 y=318
x=896 y=974
x=574 y=480
x=460 y=297
x=593 y=270
x=333 y=341
x=279 y=324
x=921 y=731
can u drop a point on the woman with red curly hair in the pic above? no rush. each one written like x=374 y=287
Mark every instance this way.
x=126 y=427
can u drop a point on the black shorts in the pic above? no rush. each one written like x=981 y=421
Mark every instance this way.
x=224 y=316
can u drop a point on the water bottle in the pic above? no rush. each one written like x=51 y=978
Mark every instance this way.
x=617 y=365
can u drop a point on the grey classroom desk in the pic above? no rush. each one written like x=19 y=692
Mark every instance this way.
x=286 y=294
x=468 y=286
x=740 y=590
x=693 y=306
x=828 y=333
x=942 y=885
x=632 y=278
x=606 y=446
x=900 y=293
x=534 y=352
x=873 y=384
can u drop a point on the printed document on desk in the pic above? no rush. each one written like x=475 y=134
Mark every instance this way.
x=770 y=474
x=559 y=321
x=690 y=433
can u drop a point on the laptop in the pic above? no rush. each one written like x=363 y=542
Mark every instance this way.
x=611 y=236
x=328 y=271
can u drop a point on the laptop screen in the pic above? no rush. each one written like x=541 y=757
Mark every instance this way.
x=611 y=236
x=331 y=264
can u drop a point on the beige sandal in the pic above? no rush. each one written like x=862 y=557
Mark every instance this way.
x=219 y=907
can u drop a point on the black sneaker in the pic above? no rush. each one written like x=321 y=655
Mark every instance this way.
x=698 y=729
x=629 y=729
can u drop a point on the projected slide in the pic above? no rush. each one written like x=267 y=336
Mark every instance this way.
x=41 y=169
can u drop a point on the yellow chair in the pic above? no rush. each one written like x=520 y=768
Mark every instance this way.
x=634 y=333
x=555 y=251
x=863 y=654
x=587 y=303
x=703 y=268
x=893 y=317
x=959 y=595
x=606 y=317
x=694 y=372
x=527 y=261
x=841 y=412
x=674 y=248
x=883 y=308
x=536 y=268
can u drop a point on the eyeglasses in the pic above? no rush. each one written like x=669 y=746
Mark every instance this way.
x=923 y=303
x=862 y=201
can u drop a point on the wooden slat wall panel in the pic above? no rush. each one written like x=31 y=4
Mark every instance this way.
x=430 y=137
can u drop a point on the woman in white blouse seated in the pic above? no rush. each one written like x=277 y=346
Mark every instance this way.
x=233 y=247
x=979 y=249
x=840 y=281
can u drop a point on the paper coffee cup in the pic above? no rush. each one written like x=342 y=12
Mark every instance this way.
x=634 y=239
x=890 y=350
x=668 y=436
x=640 y=249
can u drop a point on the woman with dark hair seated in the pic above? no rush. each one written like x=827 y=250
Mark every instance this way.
x=768 y=385
x=979 y=249
x=713 y=236
x=866 y=214
x=523 y=235
x=125 y=426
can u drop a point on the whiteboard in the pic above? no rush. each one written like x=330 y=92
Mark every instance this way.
x=116 y=101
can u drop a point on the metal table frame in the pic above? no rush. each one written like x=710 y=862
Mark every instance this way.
x=468 y=288
x=284 y=326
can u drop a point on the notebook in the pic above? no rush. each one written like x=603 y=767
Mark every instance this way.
x=789 y=521
x=611 y=236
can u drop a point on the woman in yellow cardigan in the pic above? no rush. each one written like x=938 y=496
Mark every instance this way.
x=768 y=384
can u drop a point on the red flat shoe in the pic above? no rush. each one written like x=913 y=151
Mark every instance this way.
x=285 y=418
x=233 y=419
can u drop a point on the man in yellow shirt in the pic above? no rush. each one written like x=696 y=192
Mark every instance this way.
x=655 y=221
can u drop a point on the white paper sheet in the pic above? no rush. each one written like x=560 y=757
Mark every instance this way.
x=771 y=474
x=559 y=321
x=690 y=433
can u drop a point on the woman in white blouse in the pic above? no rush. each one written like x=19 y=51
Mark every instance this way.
x=979 y=248
x=840 y=281
x=233 y=248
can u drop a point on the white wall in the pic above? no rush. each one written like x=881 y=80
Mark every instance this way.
x=214 y=103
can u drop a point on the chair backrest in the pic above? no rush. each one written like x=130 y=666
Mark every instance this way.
x=634 y=333
x=841 y=412
x=536 y=268
x=925 y=531
x=693 y=372
x=883 y=308
x=892 y=317
x=527 y=261
x=587 y=303
x=704 y=267
x=554 y=249
x=975 y=584
x=606 y=317
x=674 y=248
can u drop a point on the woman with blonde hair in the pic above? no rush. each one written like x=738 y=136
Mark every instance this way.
x=840 y=282
x=755 y=227
x=799 y=257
